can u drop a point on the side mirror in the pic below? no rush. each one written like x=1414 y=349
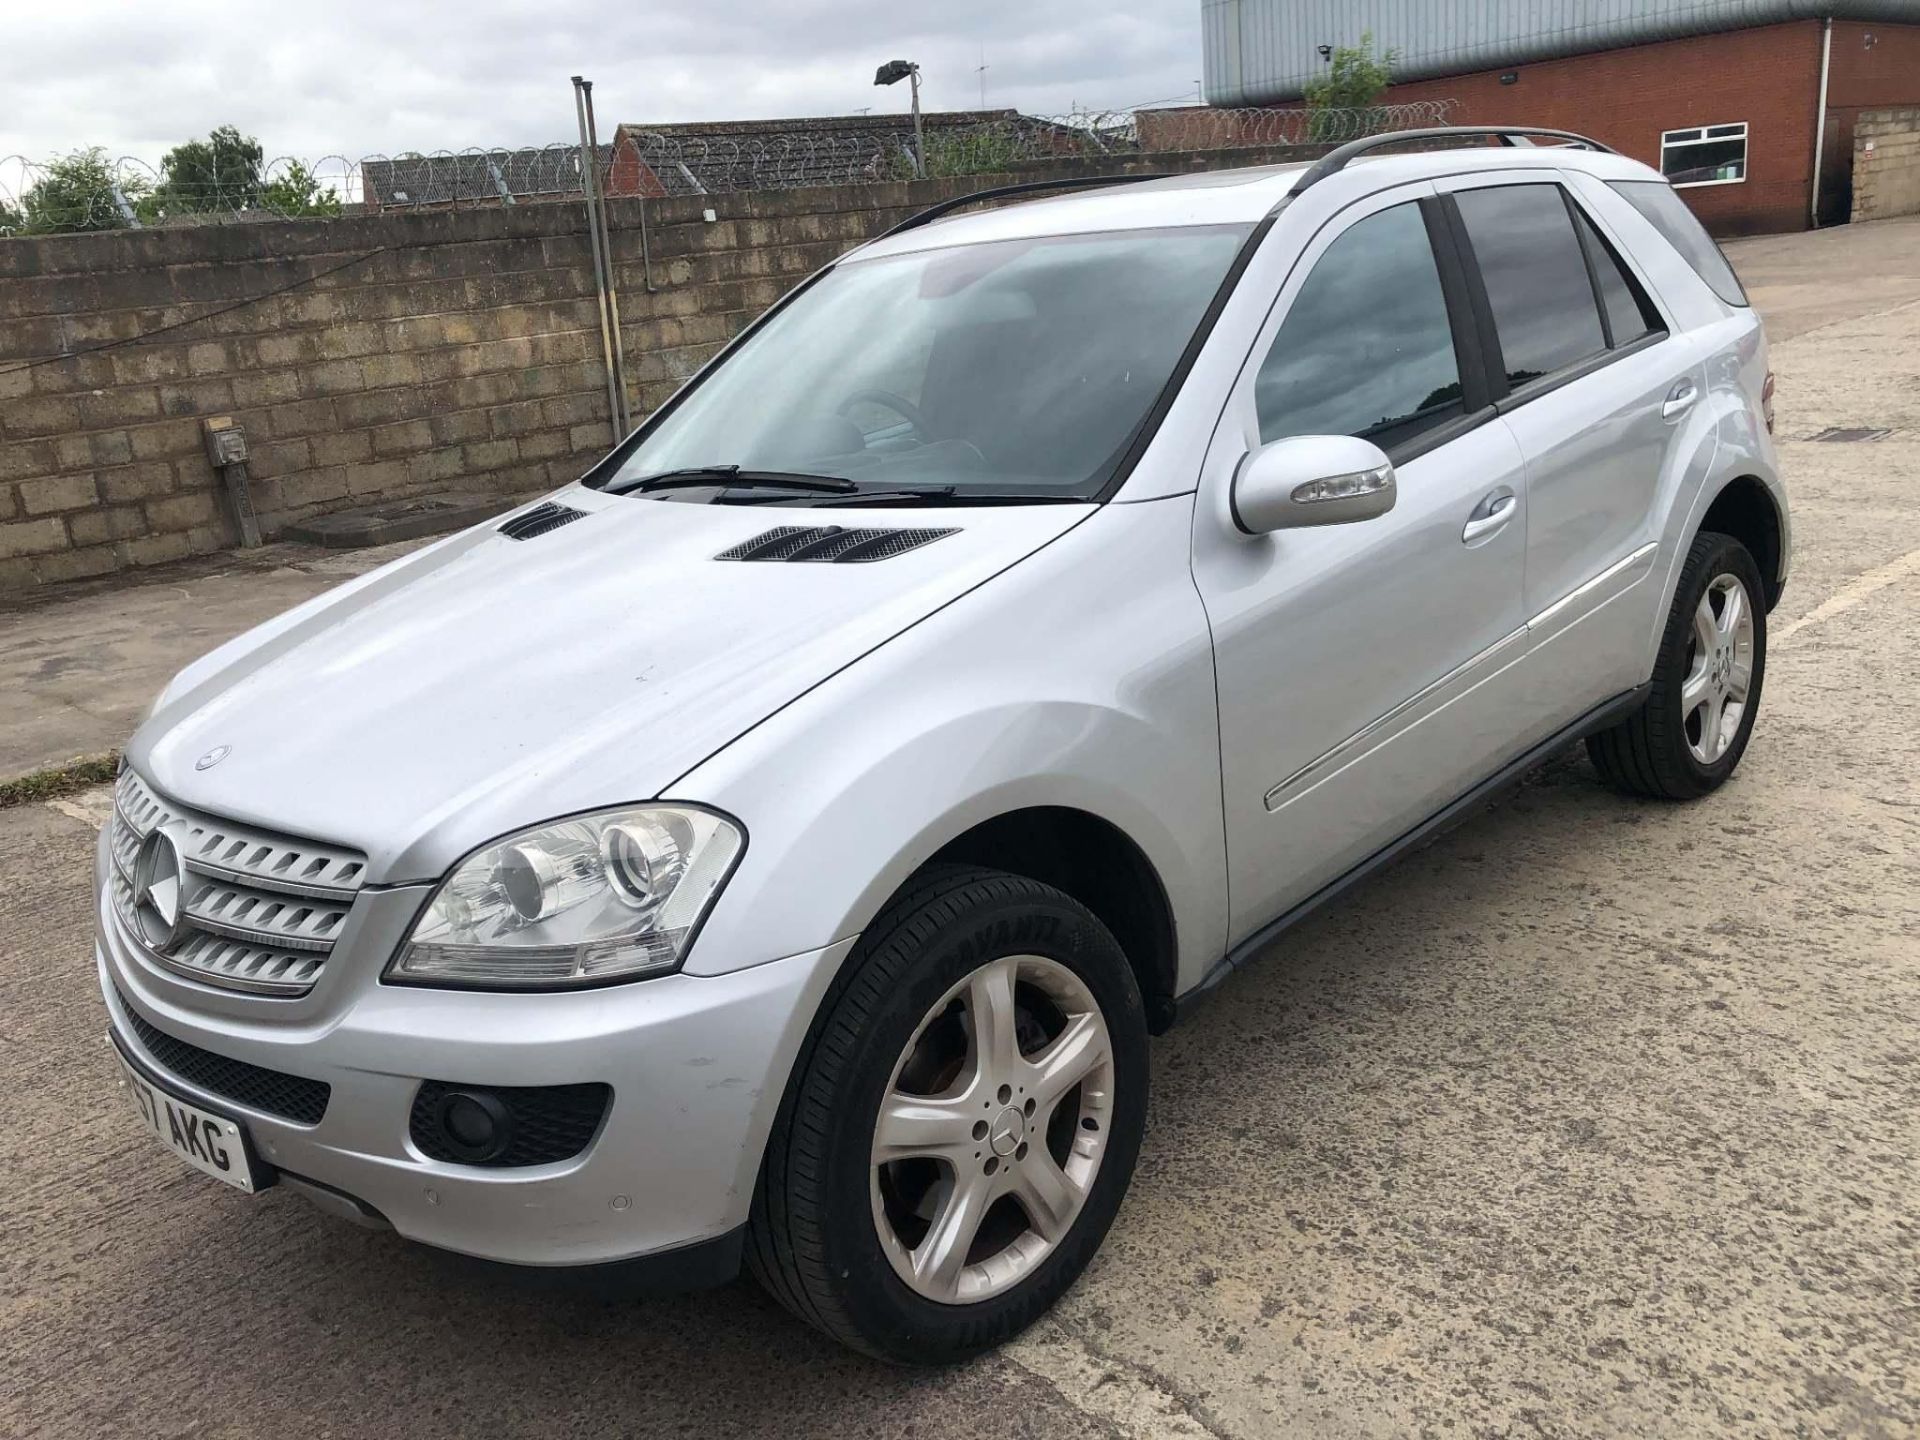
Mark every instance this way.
x=1311 y=480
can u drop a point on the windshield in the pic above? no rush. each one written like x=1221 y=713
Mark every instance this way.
x=1015 y=368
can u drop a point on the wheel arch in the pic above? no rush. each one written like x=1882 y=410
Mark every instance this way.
x=1097 y=863
x=1746 y=508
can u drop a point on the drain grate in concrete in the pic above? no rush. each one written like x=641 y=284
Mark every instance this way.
x=1843 y=435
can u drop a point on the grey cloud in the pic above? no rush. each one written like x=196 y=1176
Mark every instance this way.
x=357 y=77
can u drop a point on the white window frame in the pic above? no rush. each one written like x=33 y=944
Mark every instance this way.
x=1705 y=135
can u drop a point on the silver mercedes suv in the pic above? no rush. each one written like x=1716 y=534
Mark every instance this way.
x=778 y=846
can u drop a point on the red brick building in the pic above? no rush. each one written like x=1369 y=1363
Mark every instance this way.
x=1733 y=114
x=1767 y=79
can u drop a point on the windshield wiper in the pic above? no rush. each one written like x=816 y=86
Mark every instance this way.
x=952 y=495
x=891 y=497
x=733 y=477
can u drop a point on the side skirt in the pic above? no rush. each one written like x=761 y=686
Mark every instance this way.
x=1608 y=713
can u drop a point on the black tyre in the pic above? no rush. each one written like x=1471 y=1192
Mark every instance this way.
x=1690 y=733
x=961 y=1124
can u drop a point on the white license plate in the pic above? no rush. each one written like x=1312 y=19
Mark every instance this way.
x=211 y=1144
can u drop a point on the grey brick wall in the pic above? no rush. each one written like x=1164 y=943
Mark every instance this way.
x=371 y=358
x=1886 y=163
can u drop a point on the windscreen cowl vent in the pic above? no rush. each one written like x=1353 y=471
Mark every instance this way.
x=833 y=544
x=548 y=515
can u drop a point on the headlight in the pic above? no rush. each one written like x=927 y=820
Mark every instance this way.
x=610 y=896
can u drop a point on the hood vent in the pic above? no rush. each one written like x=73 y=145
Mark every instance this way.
x=548 y=515
x=834 y=544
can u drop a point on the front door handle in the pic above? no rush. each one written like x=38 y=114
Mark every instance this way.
x=1680 y=399
x=1491 y=514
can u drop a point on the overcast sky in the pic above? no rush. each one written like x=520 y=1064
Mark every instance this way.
x=361 y=77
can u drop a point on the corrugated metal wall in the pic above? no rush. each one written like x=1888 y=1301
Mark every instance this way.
x=1259 y=51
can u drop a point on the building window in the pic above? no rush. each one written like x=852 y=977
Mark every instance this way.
x=1705 y=155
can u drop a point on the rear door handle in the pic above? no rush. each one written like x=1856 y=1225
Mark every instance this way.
x=1680 y=399
x=1491 y=514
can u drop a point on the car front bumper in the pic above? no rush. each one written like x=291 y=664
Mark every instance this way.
x=697 y=1066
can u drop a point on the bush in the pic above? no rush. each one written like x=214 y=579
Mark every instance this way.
x=1342 y=100
x=295 y=192
x=964 y=152
x=79 y=192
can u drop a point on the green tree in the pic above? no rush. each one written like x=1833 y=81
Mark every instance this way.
x=217 y=175
x=295 y=191
x=1342 y=99
x=12 y=222
x=78 y=192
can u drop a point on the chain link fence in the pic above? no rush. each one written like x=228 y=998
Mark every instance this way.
x=89 y=190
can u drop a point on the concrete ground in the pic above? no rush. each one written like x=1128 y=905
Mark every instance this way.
x=81 y=662
x=1596 y=1117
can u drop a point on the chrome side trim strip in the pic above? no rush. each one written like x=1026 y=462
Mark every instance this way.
x=1414 y=708
x=1599 y=718
x=1426 y=699
x=1599 y=582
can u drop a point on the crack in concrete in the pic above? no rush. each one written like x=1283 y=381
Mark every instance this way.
x=1111 y=1389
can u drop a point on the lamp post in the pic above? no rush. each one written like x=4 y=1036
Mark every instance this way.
x=892 y=73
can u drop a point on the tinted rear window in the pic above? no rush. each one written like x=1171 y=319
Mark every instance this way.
x=1536 y=278
x=1671 y=217
x=1629 y=315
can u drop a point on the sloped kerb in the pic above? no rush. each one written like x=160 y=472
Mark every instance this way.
x=369 y=525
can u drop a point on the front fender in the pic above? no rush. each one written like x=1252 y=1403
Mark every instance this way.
x=1082 y=679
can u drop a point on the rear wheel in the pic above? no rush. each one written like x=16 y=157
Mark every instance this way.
x=1690 y=733
x=963 y=1123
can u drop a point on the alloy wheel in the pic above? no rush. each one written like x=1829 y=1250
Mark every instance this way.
x=1713 y=698
x=992 y=1129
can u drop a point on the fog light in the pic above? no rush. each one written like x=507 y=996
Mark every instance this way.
x=475 y=1125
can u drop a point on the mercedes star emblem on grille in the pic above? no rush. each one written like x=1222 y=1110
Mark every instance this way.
x=159 y=889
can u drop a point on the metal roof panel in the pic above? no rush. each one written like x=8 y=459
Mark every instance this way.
x=1262 y=51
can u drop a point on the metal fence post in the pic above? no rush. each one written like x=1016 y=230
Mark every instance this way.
x=588 y=164
x=606 y=251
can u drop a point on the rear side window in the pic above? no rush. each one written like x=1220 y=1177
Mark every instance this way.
x=1629 y=313
x=1669 y=214
x=1366 y=348
x=1535 y=277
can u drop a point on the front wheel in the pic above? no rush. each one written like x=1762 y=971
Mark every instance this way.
x=962 y=1125
x=1688 y=736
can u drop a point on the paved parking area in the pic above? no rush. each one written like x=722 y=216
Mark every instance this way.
x=1595 y=1117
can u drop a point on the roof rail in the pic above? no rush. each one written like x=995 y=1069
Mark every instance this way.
x=1335 y=161
x=1080 y=182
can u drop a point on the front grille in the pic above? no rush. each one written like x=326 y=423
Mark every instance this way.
x=261 y=911
x=288 y=1096
x=550 y=1122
